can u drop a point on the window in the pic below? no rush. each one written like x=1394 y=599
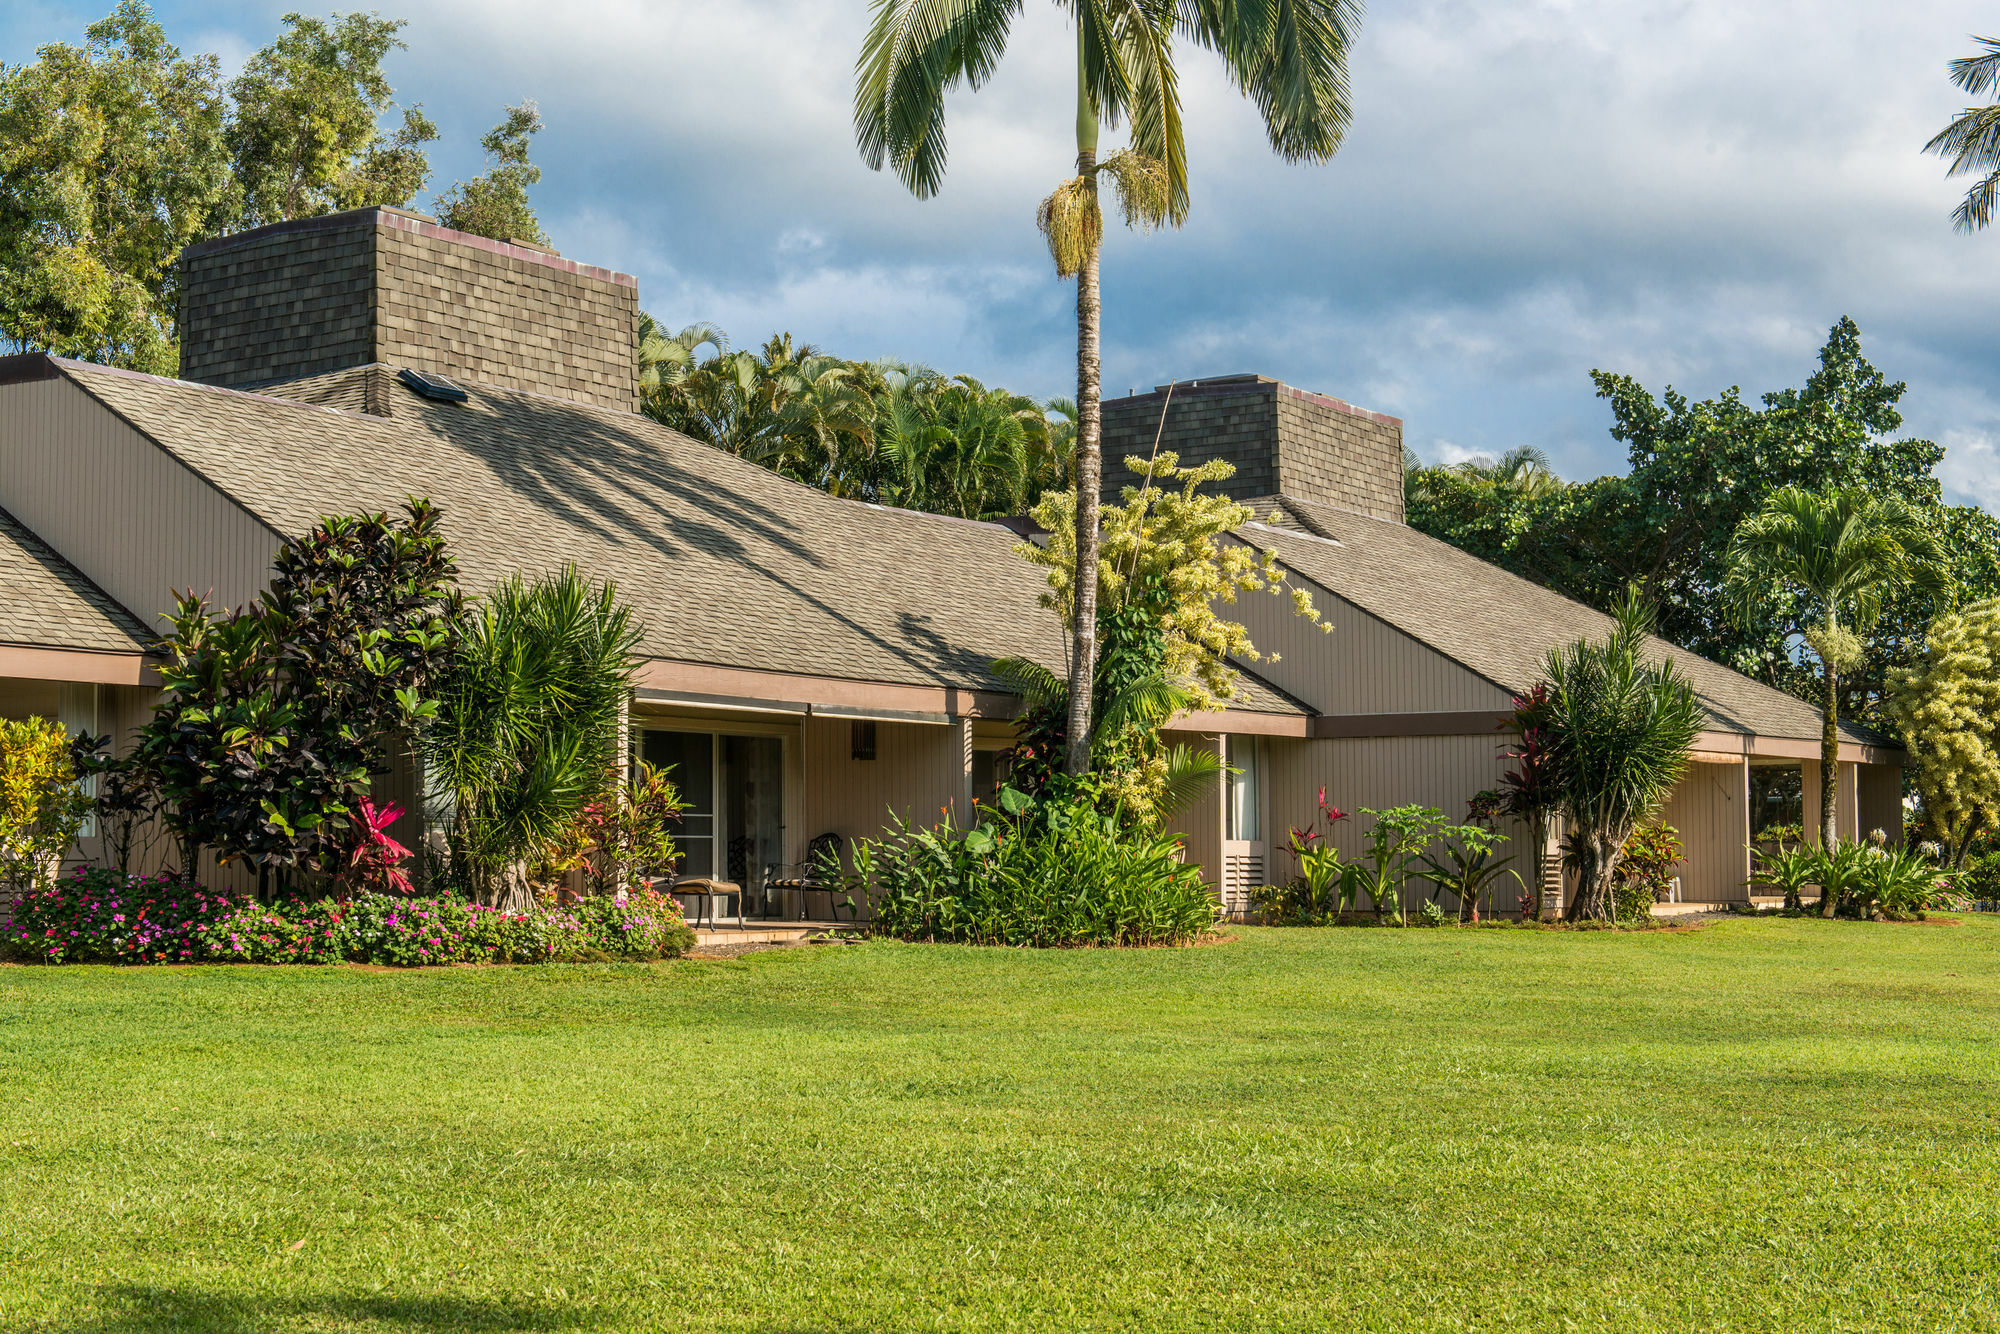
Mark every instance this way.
x=861 y=738
x=1777 y=800
x=1243 y=819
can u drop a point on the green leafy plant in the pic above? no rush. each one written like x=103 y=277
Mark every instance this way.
x=1787 y=870
x=1619 y=729
x=1465 y=865
x=42 y=805
x=1396 y=842
x=1645 y=871
x=529 y=705
x=275 y=719
x=1047 y=873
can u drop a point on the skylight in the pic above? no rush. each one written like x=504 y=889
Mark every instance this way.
x=434 y=387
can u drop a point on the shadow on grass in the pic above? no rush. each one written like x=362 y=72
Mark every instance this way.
x=147 y=1310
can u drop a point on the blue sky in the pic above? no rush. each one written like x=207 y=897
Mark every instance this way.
x=1688 y=192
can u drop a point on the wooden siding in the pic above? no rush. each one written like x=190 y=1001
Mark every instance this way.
x=1879 y=794
x=1200 y=825
x=126 y=513
x=918 y=770
x=1710 y=811
x=1364 y=666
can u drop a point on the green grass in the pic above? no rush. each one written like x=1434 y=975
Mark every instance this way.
x=1771 y=1125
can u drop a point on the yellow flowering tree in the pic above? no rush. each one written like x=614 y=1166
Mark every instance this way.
x=1948 y=707
x=1166 y=534
x=42 y=805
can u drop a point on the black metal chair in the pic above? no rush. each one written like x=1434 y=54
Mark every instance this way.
x=817 y=877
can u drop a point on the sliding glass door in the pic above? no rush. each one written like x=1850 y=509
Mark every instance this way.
x=734 y=787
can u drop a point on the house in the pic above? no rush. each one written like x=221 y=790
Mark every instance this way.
x=811 y=664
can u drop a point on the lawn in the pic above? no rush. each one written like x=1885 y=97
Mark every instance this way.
x=1771 y=1125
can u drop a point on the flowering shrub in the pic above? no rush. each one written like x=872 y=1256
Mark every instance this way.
x=98 y=915
x=101 y=916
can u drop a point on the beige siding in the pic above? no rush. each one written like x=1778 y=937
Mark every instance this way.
x=121 y=509
x=1847 y=804
x=1363 y=666
x=919 y=770
x=1709 y=811
x=1879 y=797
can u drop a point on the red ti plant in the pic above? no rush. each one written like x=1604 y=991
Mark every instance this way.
x=375 y=863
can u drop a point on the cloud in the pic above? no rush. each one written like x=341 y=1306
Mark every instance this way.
x=1689 y=193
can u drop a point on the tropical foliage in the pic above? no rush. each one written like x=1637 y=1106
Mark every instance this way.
x=1696 y=471
x=883 y=432
x=1837 y=556
x=98 y=915
x=529 y=706
x=1971 y=142
x=42 y=803
x=1947 y=706
x=1618 y=730
x=1290 y=60
x=274 y=719
x=1167 y=545
x=1058 y=872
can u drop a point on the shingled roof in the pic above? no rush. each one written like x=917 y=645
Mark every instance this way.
x=1488 y=620
x=50 y=605
x=722 y=561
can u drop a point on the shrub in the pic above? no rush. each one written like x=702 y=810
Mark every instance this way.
x=1043 y=874
x=1982 y=877
x=97 y=915
x=1645 y=871
x=103 y=916
x=41 y=806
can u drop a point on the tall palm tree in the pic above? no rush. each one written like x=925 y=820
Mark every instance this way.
x=1972 y=140
x=1840 y=553
x=1290 y=59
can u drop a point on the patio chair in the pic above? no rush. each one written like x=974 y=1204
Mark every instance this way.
x=705 y=893
x=810 y=879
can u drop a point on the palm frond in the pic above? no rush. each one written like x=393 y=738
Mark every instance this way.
x=915 y=52
x=1190 y=774
x=1290 y=59
x=1037 y=686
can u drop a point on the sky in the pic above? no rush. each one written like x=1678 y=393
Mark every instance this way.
x=1690 y=193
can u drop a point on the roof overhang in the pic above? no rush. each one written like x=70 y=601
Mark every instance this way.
x=34 y=662
x=706 y=686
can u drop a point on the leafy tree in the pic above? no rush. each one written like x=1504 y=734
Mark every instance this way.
x=305 y=138
x=1948 y=706
x=274 y=719
x=111 y=159
x=42 y=804
x=1972 y=141
x=1618 y=731
x=496 y=204
x=1697 y=471
x=1835 y=556
x=525 y=739
x=1291 y=60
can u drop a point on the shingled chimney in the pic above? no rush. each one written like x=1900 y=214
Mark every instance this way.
x=387 y=285
x=1283 y=441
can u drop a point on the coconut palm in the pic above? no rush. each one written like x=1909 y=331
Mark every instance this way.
x=1972 y=141
x=1290 y=59
x=527 y=725
x=1839 y=553
x=1618 y=731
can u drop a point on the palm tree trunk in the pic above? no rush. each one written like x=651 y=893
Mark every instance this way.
x=1829 y=774
x=1089 y=458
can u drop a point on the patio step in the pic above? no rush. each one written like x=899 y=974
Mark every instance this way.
x=729 y=935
